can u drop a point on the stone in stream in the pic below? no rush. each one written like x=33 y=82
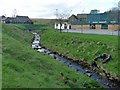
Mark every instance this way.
x=33 y=45
x=77 y=69
x=94 y=69
x=56 y=58
x=36 y=42
x=107 y=84
x=89 y=74
x=52 y=55
x=36 y=46
x=70 y=65
x=49 y=52
x=39 y=47
x=40 y=50
x=37 y=39
x=45 y=51
x=87 y=71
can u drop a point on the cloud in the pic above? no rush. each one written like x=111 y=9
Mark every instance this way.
x=46 y=8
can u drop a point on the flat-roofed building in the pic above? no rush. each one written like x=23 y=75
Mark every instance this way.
x=95 y=20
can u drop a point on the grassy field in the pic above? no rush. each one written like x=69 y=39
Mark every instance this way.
x=43 y=21
x=83 y=46
x=24 y=67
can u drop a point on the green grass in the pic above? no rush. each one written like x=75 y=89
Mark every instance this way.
x=0 y=55
x=43 y=21
x=24 y=67
x=87 y=46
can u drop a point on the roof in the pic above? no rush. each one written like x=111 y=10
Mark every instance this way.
x=18 y=19
x=106 y=17
x=74 y=16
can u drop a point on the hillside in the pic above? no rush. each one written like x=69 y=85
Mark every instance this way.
x=43 y=21
x=24 y=67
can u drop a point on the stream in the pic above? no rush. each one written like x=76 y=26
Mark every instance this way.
x=40 y=48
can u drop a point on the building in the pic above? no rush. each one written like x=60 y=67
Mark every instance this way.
x=18 y=20
x=95 y=20
x=2 y=19
x=62 y=26
x=95 y=11
x=73 y=18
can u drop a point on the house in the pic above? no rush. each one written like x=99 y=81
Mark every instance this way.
x=73 y=18
x=2 y=19
x=62 y=26
x=18 y=20
x=95 y=20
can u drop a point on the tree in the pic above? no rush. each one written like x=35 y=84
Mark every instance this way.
x=116 y=13
x=62 y=16
x=113 y=16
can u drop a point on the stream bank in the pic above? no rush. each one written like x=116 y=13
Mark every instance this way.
x=72 y=63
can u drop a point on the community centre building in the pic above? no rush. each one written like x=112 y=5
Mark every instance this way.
x=108 y=20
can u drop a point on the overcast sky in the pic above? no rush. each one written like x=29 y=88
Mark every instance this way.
x=47 y=8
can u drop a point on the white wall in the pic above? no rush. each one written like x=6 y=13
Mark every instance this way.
x=57 y=26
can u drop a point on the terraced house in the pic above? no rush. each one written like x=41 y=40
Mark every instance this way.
x=94 y=20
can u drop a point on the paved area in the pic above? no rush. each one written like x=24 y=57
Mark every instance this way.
x=107 y=32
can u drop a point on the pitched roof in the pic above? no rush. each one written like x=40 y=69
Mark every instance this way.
x=74 y=16
x=19 y=19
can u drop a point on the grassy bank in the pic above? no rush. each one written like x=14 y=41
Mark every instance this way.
x=0 y=55
x=84 y=46
x=24 y=67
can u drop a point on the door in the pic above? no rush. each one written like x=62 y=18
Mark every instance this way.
x=92 y=26
x=104 y=26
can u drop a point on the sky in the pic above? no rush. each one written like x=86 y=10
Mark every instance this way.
x=47 y=8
